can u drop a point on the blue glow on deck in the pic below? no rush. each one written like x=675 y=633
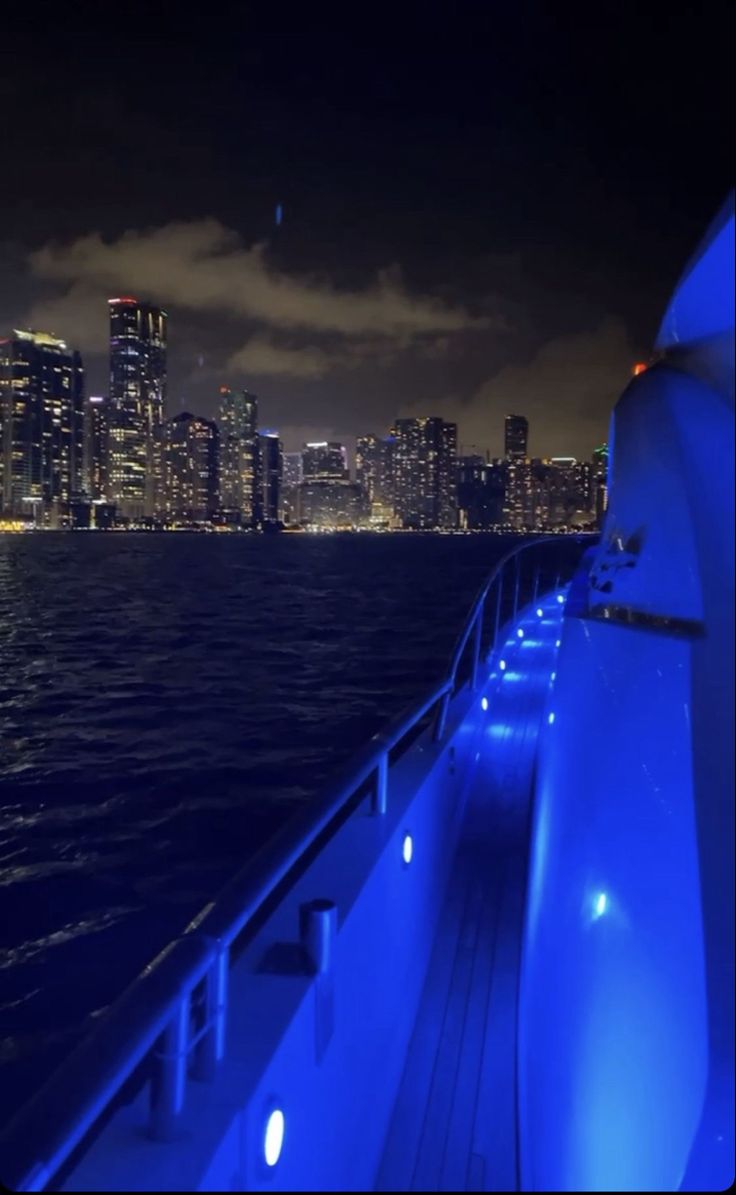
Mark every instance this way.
x=512 y=676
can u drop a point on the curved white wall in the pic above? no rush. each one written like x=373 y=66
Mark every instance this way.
x=626 y=1013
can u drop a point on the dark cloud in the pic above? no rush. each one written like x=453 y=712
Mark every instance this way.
x=534 y=174
x=566 y=390
x=202 y=266
x=263 y=357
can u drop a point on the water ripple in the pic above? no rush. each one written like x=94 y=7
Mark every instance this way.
x=165 y=703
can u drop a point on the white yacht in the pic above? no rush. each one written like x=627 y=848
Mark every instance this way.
x=498 y=954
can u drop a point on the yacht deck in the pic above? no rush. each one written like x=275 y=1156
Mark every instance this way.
x=454 y=1122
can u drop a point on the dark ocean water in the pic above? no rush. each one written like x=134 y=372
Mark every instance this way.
x=166 y=702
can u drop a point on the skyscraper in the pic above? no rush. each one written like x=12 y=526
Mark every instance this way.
x=239 y=463
x=138 y=336
x=324 y=459
x=516 y=437
x=599 y=483
x=189 y=463
x=425 y=454
x=96 y=433
x=271 y=473
x=480 y=492
x=41 y=426
x=521 y=496
x=292 y=478
x=331 y=503
x=293 y=472
x=374 y=469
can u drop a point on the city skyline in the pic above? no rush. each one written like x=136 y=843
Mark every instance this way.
x=122 y=430
x=121 y=460
x=376 y=236
x=124 y=377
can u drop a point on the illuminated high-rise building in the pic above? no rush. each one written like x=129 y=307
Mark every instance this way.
x=292 y=478
x=330 y=503
x=41 y=426
x=520 y=499
x=239 y=456
x=293 y=471
x=96 y=445
x=374 y=468
x=599 y=483
x=324 y=460
x=138 y=337
x=481 y=486
x=189 y=467
x=425 y=473
x=271 y=476
x=516 y=437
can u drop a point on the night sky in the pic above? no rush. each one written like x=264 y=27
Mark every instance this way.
x=484 y=210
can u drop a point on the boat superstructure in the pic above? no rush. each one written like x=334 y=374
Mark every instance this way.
x=498 y=953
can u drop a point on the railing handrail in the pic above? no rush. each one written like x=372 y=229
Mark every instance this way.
x=48 y=1128
x=485 y=589
x=246 y=893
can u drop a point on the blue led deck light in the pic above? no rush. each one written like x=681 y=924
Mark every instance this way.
x=484 y=703
x=407 y=849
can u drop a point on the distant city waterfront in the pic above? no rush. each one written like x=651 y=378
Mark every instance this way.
x=166 y=702
x=116 y=462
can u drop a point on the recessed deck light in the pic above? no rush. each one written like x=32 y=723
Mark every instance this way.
x=273 y=1137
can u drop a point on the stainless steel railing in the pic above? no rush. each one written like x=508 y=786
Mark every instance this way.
x=173 y=1015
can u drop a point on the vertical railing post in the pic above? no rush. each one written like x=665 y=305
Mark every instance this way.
x=317 y=933
x=536 y=584
x=170 y=1074
x=476 y=645
x=380 y=792
x=318 y=938
x=439 y=725
x=210 y=1048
